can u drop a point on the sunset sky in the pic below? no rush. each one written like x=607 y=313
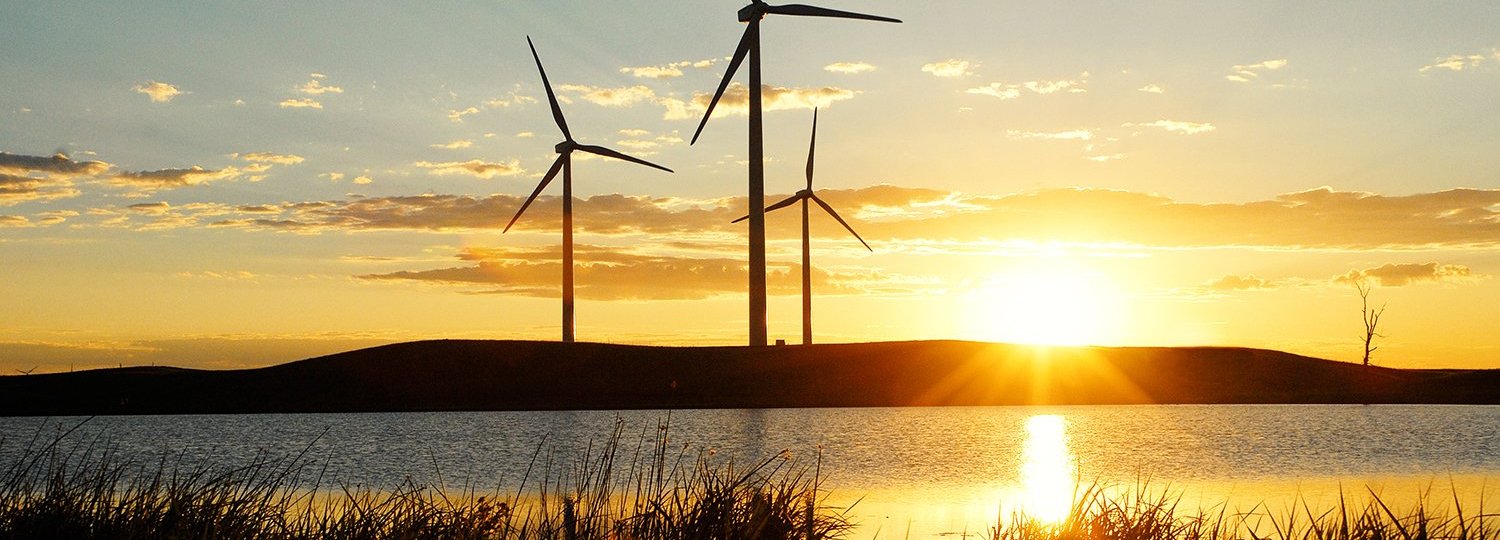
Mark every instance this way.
x=241 y=184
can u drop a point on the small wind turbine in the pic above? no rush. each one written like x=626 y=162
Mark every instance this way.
x=804 y=196
x=565 y=164
x=750 y=46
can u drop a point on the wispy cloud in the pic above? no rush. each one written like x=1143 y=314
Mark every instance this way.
x=1460 y=62
x=301 y=103
x=1009 y=91
x=1250 y=72
x=19 y=189
x=612 y=273
x=473 y=167
x=315 y=87
x=1174 y=126
x=1151 y=89
x=1072 y=135
x=177 y=178
x=1317 y=219
x=454 y=144
x=949 y=68
x=54 y=166
x=736 y=100
x=849 y=67
x=270 y=157
x=610 y=97
x=1397 y=275
x=159 y=92
x=667 y=71
x=457 y=115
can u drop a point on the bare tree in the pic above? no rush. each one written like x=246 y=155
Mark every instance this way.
x=1370 y=318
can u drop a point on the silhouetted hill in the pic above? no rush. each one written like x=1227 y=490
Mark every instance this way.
x=522 y=375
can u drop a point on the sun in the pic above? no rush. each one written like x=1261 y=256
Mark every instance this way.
x=1050 y=303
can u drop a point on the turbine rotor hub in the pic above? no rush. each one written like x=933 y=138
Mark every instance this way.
x=565 y=147
x=752 y=12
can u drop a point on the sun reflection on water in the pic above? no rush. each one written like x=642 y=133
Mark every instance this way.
x=1048 y=470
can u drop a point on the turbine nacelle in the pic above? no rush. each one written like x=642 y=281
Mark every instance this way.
x=565 y=147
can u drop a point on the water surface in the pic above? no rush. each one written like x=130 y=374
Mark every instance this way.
x=933 y=469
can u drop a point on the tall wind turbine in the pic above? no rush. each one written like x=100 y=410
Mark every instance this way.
x=805 y=196
x=565 y=164
x=750 y=46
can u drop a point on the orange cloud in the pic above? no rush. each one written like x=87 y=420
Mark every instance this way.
x=610 y=273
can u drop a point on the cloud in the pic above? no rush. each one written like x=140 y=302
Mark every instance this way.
x=270 y=157
x=19 y=189
x=611 y=97
x=525 y=135
x=315 y=87
x=473 y=167
x=1397 y=275
x=849 y=67
x=613 y=273
x=952 y=67
x=506 y=102
x=454 y=144
x=1240 y=283
x=1009 y=91
x=1151 y=89
x=893 y=216
x=1073 y=135
x=1174 y=126
x=1460 y=62
x=362 y=180
x=14 y=222
x=1249 y=72
x=159 y=92
x=736 y=100
x=457 y=115
x=303 y=103
x=58 y=166
x=667 y=71
x=999 y=90
x=176 y=178
x=1102 y=158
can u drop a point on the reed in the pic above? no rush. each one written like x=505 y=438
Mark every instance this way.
x=650 y=489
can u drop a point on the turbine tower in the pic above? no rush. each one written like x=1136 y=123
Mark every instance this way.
x=565 y=164
x=805 y=196
x=750 y=46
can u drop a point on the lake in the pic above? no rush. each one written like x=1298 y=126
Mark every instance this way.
x=926 y=470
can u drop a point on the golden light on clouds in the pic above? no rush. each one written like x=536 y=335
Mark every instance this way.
x=950 y=68
x=159 y=92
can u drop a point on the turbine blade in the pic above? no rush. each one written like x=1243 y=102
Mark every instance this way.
x=734 y=64
x=783 y=204
x=810 y=147
x=813 y=11
x=835 y=215
x=557 y=114
x=602 y=151
x=546 y=179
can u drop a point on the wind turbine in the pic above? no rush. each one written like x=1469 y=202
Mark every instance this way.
x=805 y=196
x=750 y=46
x=565 y=164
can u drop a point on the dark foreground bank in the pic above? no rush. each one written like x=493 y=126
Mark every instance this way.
x=521 y=375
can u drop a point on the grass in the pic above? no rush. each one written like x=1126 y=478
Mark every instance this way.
x=642 y=487
x=651 y=490
x=1146 y=514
